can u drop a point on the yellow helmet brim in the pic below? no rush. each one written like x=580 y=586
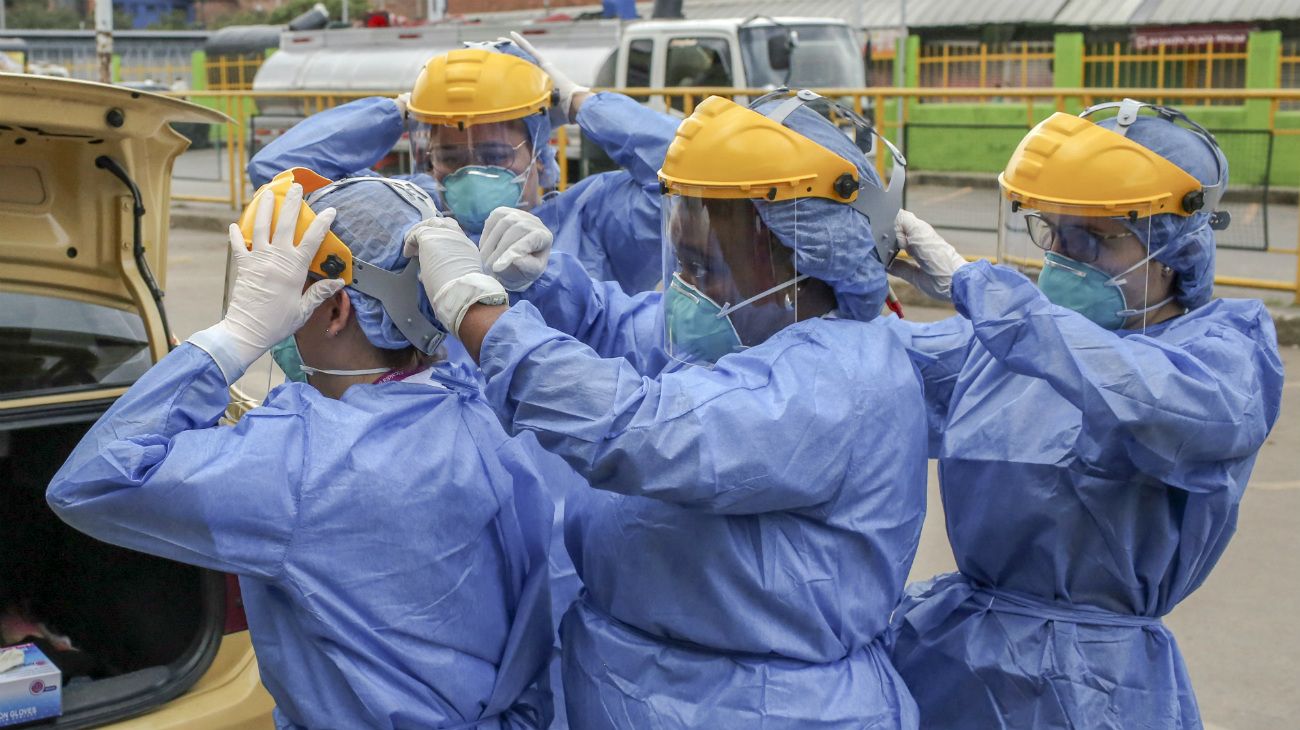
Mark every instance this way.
x=477 y=86
x=1071 y=165
x=724 y=150
x=334 y=259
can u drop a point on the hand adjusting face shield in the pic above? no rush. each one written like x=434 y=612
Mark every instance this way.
x=730 y=279
x=397 y=291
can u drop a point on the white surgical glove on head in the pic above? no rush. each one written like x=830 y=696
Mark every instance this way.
x=933 y=260
x=450 y=270
x=515 y=246
x=402 y=101
x=267 y=303
x=564 y=86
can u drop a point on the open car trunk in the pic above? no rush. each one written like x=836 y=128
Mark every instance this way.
x=143 y=629
x=85 y=187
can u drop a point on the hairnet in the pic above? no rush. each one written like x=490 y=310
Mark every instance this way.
x=372 y=220
x=539 y=125
x=832 y=241
x=1187 y=242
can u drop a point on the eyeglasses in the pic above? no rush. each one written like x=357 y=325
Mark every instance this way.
x=1069 y=239
x=483 y=154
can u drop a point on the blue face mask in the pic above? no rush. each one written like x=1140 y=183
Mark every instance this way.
x=695 y=327
x=286 y=355
x=1089 y=290
x=473 y=192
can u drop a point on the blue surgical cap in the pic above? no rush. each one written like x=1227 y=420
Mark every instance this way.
x=539 y=125
x=832 y=241
x=372 y=220
x=1185 y=243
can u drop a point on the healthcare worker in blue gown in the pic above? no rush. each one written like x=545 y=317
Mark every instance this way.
x=1095 y=433
x=389 y=538
x=479 y=122
x=752 y=514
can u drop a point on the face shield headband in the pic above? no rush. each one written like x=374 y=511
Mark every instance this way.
x=1207 y=197
x=879 y=206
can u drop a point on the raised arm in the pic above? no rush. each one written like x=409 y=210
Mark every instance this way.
x=157 y=475
x=938 y=352
x=731 y=439
x=1179 y=406
x=336 y=143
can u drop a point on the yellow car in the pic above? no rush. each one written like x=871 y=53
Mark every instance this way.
x=85 y=182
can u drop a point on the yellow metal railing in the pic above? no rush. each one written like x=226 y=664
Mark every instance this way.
x=984 y=66
x=236 y=104
x=1118 y=65
x=232 y=73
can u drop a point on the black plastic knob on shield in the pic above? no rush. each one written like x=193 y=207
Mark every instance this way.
x=333 y=266
x=845 y=186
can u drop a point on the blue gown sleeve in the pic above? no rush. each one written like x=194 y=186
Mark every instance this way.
x=1176 y=410
x=938 y=351
x=731 y=440
x=599 y=314
x=634 y=136
x=337 y=142
x=617 y=213
x=157 y=475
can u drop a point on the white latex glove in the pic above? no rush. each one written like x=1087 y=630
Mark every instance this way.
x=515 y=246
x=402 y=101
x=933 y=260
x=450 y=270
x=564 y=85
x=267 y=303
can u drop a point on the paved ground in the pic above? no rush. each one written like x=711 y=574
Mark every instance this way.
x=1239 y=632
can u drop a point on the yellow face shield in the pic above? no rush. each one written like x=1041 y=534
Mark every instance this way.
x=398 y=292
x=477 y=86
x=1071 y=165
x=334 y=259
x=727 y=151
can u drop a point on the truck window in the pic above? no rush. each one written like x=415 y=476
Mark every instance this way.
x=638 y=62
x=820 y=56
x=697 y=62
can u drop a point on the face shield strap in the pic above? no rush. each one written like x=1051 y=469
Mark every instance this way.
x=729 y=308
x=409 y=192
x=398 y=293
x=877 y=206
x=1209 y=196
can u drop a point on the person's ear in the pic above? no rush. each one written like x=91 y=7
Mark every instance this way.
x=338 y=311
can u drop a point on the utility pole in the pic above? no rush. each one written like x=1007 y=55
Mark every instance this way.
x=900 y=77
x=104 y=39
x=345 y=12
x=2 y=14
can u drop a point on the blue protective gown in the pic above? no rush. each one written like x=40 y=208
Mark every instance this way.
x=610 y=221
x=1090 y=482
x=750 y=527
x=389 y=581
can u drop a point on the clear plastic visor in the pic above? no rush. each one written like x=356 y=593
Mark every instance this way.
x=729 y=282
x=1101 y=267
x=440 y=150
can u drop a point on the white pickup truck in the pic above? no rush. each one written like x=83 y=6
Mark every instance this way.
x=758 y=52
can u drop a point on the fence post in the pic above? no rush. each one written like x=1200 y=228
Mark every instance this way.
x=1263 y=69
x=1067 y=65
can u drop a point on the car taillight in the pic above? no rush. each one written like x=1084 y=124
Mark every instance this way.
x=235 y=619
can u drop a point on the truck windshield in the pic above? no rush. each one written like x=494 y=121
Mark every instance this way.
x=823 y=56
